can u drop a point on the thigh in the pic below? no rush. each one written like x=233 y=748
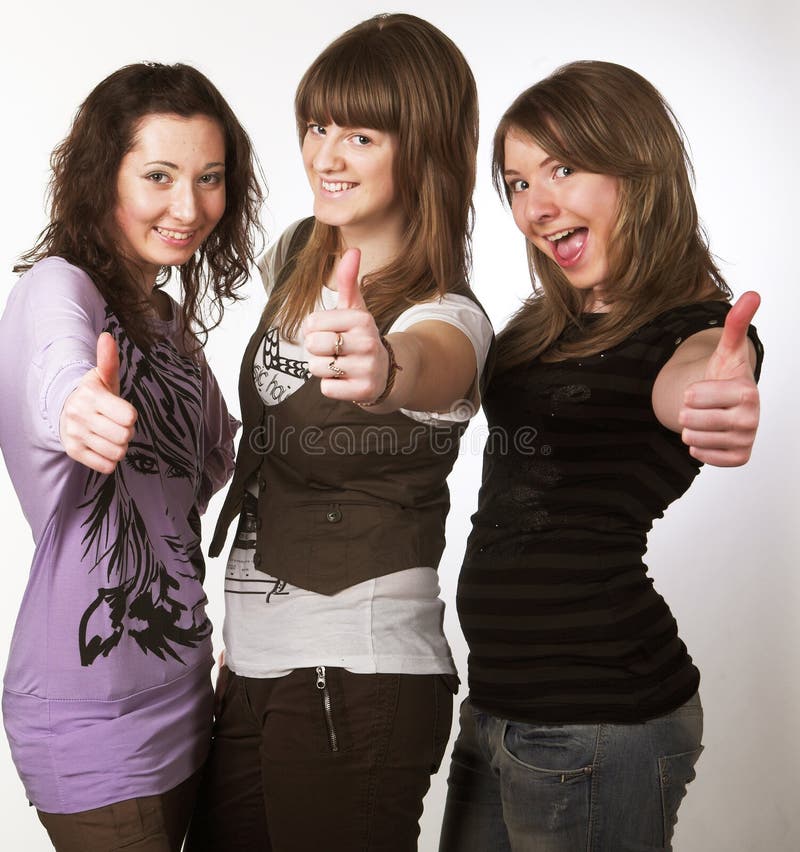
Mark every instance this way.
x=229 y=814
x=473 y=814
x=347 y=758
x=145 y=824
x=642 y=779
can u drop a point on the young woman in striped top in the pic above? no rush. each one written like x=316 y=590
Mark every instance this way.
x=623 y=373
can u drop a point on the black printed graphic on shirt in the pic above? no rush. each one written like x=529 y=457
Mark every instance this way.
x=142 y=548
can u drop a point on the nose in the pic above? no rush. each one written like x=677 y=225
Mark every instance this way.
x=540 y=203
x=184 y=204
x=327 y=156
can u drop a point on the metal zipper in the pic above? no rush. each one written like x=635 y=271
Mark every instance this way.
x=322 y=686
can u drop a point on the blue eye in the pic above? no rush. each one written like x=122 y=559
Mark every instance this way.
x=518 y=185
x=564 y=171
x=316 y=129
x=361 y=139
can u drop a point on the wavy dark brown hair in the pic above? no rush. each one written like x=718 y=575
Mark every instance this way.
x=83 y=196
x=604 y=118
x=398 y=74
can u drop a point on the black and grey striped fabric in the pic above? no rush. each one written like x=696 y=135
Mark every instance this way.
x=562 y=620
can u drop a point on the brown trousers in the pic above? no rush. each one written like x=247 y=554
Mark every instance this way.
x=332 y=760
x=146 y=824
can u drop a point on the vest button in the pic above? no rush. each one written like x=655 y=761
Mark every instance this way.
x=334 y=516
x=256 y=559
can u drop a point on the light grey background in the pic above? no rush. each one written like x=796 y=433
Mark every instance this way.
x=725 y=556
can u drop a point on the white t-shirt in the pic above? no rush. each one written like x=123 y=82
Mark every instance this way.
x=391 y=623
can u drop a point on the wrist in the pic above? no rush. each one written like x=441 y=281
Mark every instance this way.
x=393 y=369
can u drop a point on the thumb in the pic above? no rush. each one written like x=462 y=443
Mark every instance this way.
x=732 y=348
x=347 y=280
x=108 y=362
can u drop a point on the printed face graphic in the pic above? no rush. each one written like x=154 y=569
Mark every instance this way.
x=142 y=530
x=568 y=214
x=170 y=191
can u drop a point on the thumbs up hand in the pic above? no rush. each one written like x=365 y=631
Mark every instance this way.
x=344 y=344
x=96 y=424
x=720 y=413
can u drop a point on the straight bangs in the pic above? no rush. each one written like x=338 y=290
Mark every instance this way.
x=543 y=117
x=351 y=85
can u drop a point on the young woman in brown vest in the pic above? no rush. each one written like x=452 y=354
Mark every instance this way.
x=335 y=703
x=584 y=722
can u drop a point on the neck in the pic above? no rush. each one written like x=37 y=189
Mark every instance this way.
x=379 y=246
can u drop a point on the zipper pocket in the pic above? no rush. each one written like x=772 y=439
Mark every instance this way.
x=327 y=708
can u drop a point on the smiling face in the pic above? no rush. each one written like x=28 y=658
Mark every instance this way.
x=351 y=172
x=170 y=191
x=568 y=214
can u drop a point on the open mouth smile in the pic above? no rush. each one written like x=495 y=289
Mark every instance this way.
x=568 y=245
x=174 y=236
x=337 y=186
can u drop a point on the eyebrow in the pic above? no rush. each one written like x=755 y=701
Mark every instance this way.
x=175 y=166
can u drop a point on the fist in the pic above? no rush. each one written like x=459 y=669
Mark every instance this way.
x=96 y=424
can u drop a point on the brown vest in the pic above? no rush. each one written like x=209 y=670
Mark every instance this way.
x=344 y=495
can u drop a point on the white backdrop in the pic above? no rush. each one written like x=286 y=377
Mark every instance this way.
x=725 y=556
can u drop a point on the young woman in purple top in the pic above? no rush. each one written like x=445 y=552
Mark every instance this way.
x=115 y=436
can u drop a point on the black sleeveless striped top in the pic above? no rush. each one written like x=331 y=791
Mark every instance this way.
x=562 y=622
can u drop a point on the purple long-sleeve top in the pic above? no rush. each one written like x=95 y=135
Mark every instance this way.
x=107 y=691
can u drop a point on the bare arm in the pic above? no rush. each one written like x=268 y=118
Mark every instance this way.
x=438 y=360
x=708 y=393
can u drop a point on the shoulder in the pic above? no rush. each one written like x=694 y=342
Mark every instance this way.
x=686 y=320
x=272 y=260
x=453 y=308
x=52 y=281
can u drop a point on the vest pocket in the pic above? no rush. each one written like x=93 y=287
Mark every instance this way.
x=330 y=545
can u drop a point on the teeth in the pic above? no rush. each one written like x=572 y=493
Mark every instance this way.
x=560 y=235
x=174 y=235
x=336 y=187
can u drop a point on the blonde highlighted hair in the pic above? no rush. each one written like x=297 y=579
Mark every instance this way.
x=398 y=74
x=607 y=119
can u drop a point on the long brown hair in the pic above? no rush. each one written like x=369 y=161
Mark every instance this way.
x=397 y=74
x=83 y=196
x=605 y=118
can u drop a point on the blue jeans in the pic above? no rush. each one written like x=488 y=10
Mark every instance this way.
x=571 y=788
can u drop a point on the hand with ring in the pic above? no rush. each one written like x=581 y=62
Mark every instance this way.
x=344 y=344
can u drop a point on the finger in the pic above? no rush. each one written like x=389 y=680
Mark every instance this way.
x=108 y=362
x=721 y=393
x=116 y=409
x=734 y=333
x=347 y=281
x=350 y=390
x=721 y=458
x=338 y=320
x=92 y=460
x=723 y=440
x=112 y=451
x=108 y=430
